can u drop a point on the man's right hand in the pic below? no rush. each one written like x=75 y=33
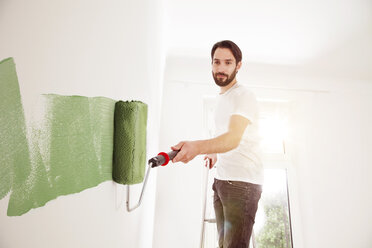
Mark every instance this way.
x=212 y=160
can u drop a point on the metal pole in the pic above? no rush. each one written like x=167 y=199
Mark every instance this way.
x=129 y=209
x=204 y=205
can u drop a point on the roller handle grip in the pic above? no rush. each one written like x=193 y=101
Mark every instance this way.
x=162 y=158
x=172 y=154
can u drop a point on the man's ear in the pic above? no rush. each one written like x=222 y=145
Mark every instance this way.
x=239 y=65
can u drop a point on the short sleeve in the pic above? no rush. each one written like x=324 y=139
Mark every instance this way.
x=245 y=104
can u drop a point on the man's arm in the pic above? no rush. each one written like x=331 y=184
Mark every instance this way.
x=220 y=144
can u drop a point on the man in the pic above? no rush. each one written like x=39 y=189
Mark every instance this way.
x=237 y=185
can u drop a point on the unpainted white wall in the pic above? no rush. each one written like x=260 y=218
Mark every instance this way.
x=90 y=48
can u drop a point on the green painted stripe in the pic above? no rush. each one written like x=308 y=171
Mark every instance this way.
x=71 y=152
x=15 y=165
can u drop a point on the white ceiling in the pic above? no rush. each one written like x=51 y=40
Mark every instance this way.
x=331 y=33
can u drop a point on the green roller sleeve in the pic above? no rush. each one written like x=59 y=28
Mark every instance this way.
x=129 y=157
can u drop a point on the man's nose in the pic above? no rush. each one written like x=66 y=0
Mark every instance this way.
x=221 y=68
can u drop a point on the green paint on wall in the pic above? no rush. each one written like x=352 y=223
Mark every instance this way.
x=14 y=151
x=68 y=153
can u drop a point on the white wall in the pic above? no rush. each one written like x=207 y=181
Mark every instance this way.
x=330 y=139
x=91 y=48
x=114 y=49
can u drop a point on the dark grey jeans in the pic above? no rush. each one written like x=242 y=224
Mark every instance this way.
x=235 y=205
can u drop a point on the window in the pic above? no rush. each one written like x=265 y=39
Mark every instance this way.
x=272 y=228
x=273 y=220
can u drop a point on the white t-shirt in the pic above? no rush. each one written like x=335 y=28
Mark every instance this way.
x=242 y=163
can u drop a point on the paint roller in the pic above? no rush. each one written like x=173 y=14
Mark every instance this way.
x=129 y=155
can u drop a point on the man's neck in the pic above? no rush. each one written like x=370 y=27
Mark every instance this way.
x=227 y=87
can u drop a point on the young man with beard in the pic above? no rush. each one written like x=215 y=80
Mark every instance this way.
x=237 y=185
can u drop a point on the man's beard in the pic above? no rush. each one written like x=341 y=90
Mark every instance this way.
x=224 y=82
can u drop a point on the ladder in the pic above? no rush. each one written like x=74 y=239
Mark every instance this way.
x=204 y=218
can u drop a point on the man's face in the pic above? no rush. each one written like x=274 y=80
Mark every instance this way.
x=224 y=67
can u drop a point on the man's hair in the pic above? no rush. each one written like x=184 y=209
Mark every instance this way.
x=230 y=45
